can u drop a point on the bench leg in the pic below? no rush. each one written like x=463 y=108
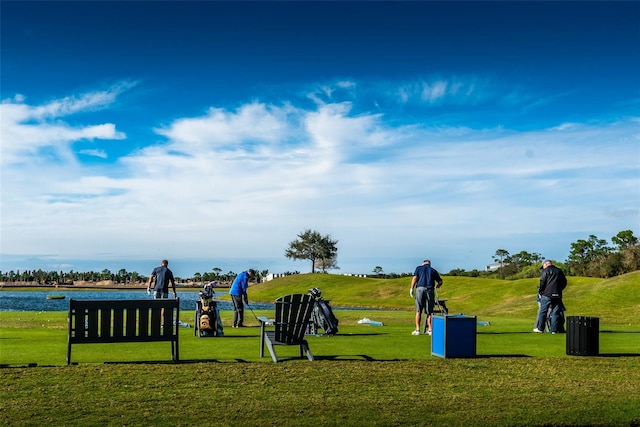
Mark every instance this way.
x=175 y=355
x=304 y=349
x=261 y=339
x=272 y=351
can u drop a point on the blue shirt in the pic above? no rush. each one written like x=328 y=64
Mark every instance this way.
x=240 y=284
x=163 y=276
x=427 y=276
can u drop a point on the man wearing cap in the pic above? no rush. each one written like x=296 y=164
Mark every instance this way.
x=238 y=292
x=552 y=283
x=425 y=280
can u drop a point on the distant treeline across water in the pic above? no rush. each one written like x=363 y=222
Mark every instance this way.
x=102 y=284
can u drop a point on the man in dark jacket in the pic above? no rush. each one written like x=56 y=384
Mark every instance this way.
x=552 y=283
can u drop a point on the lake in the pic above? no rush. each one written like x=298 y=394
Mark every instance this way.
x=37 y=300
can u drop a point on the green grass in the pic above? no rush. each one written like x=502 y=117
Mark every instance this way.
x=364 y=376
x=451 y=392
x=614 y=301
x=34 y=338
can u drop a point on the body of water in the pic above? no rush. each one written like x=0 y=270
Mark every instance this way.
x=37 y=300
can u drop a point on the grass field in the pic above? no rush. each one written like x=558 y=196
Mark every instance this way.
x=364 y=376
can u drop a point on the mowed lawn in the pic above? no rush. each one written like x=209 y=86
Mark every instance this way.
x=365 y=375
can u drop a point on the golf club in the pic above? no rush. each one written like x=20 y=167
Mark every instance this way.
x=441 y=308
x=437 y=301
x=252 y=312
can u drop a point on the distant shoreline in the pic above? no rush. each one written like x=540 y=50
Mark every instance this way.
x=104 y=284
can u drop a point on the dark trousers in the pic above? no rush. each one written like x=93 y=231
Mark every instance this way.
x=238 y=310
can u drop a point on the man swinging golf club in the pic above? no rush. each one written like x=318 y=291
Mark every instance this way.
x=238 y=293
x=425 y=280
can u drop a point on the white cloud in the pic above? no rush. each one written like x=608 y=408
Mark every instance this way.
x=219 y=127
x=27 y=129
x=243 y=182
x=95 y=153
x=434 y=92
x=453 y=90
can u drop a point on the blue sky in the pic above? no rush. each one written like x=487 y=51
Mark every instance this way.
x=212 y=133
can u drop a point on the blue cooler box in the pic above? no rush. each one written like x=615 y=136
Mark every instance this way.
x=453 y=336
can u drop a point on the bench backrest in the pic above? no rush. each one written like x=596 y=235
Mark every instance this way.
x=293 y=313
x=106 y=321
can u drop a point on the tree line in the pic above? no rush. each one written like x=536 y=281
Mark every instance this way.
x=320 y=249
x=121 y=277
x=592 y=257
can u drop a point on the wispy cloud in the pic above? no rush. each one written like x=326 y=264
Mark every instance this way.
x=261 y=172
x=94 y=153
x=453 y=91
x=29 y=129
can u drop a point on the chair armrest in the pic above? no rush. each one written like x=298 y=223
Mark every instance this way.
x=265 y=320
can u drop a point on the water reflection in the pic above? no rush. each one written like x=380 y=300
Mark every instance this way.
x=37 y=300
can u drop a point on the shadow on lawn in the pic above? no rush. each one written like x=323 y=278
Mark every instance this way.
x=170 y=362
x=507 y=333
x=618 y=355
x=492 y=356
x=356 y=358
x=339 y=358
x=307 y=335
x=560 y=333
x=354 y=335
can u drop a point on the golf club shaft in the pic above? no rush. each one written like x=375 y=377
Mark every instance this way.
x=252 y=312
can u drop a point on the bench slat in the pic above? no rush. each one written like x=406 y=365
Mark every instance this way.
x=131 y=322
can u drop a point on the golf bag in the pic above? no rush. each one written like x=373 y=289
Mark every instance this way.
x=207 y=322
x=322 y=316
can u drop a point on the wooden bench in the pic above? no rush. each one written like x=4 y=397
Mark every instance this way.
x=122 y=321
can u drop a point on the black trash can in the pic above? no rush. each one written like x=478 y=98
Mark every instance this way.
x=583 y=336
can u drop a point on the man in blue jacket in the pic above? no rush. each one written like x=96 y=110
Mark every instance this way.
x=238 y=293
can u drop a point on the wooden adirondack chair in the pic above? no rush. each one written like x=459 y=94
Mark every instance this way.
x=293 y=314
